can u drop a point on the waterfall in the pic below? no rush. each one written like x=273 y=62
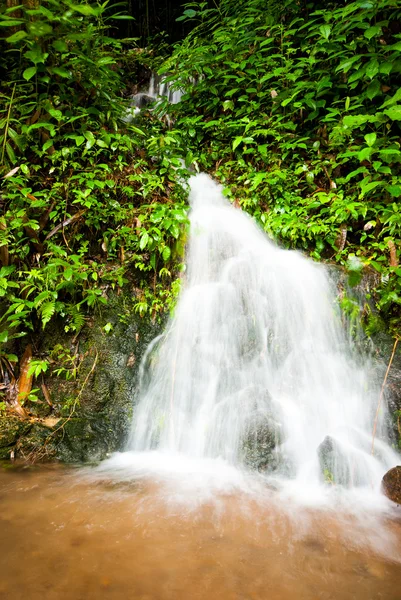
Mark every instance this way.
x=157 y=89
x=255 y=369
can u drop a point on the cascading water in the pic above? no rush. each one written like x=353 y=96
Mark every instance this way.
x=256 y=354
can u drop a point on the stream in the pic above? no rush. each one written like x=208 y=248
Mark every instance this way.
x=69 y=534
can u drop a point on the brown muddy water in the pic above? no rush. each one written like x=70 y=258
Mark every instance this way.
x=67 y=537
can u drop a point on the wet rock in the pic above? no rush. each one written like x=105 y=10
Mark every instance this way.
x=260 y=444
x=391 y=484
x=334 y=463
x=91 y=413
x=11 y=429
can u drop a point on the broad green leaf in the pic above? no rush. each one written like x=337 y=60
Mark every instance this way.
x=370 y=138
x=61 y=72
x=394 y=190
x=393 y=100
x=372 y=31
x=364 y=154
x=11 y=23
x=144 y=240
x=373 y=89
x=36 y=55
x=372 y=68
x=39 y=28
x=29 y=73
x=86 y=9
x=228 y=105
x=57 y=114
x=60 y=46
x=68 y=274
x=325 y=30
x=16 y=37
x=237 y=141
x=369 y=187
x=386 y=67
x=90 y=139
x=394 y=112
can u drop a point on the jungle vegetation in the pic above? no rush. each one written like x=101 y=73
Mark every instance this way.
x=294 y=106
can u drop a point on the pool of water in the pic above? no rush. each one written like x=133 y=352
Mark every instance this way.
x=66 y=535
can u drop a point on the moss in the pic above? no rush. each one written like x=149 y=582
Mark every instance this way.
x=11 y=429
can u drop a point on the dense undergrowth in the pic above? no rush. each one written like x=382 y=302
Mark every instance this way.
x=295 y=107
x=297 y=110
x=87 y=201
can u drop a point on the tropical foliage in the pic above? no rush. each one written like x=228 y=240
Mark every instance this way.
x=87 y=200
x=297 y=109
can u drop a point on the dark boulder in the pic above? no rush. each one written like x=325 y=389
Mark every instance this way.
x=391 y=484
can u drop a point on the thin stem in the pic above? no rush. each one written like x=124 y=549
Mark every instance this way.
x=7 y=123
x=382 y=394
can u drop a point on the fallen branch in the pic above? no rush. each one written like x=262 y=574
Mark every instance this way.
x=65 y=223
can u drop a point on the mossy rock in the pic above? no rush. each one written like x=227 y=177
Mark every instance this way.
x=12 y=428
x=95 y=409
x=259 y=448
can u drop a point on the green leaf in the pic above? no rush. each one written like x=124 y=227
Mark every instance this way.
x=36 y=55
x=373 y=89
x=372 y=31
x=60 y=46
x=57 y=114
x=144 y=240
x=39 y=28
x=48 y=144
x=61 y=72
x=166 y=253
x=386 y=68
x=364 y=154
x=347 y=64
x=68 y=274
x=11 y=23
x=393 y=100
x=394 y=113
x=370 y=138
x=369 y=187
x=372 y=68
x=355 y=269
x=29 y=73
x=86 y=9
x=16 y=37
x=237 y=141
x=394 y=190
x=325 y=30
x=228 y=105
x=90 y=139
x=3 y=337
x=47 y=311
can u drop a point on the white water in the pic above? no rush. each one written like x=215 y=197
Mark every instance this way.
x=256 y=345
x=157 y=89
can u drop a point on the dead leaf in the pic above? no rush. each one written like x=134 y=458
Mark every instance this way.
x=51 y=422
x=12 y=172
